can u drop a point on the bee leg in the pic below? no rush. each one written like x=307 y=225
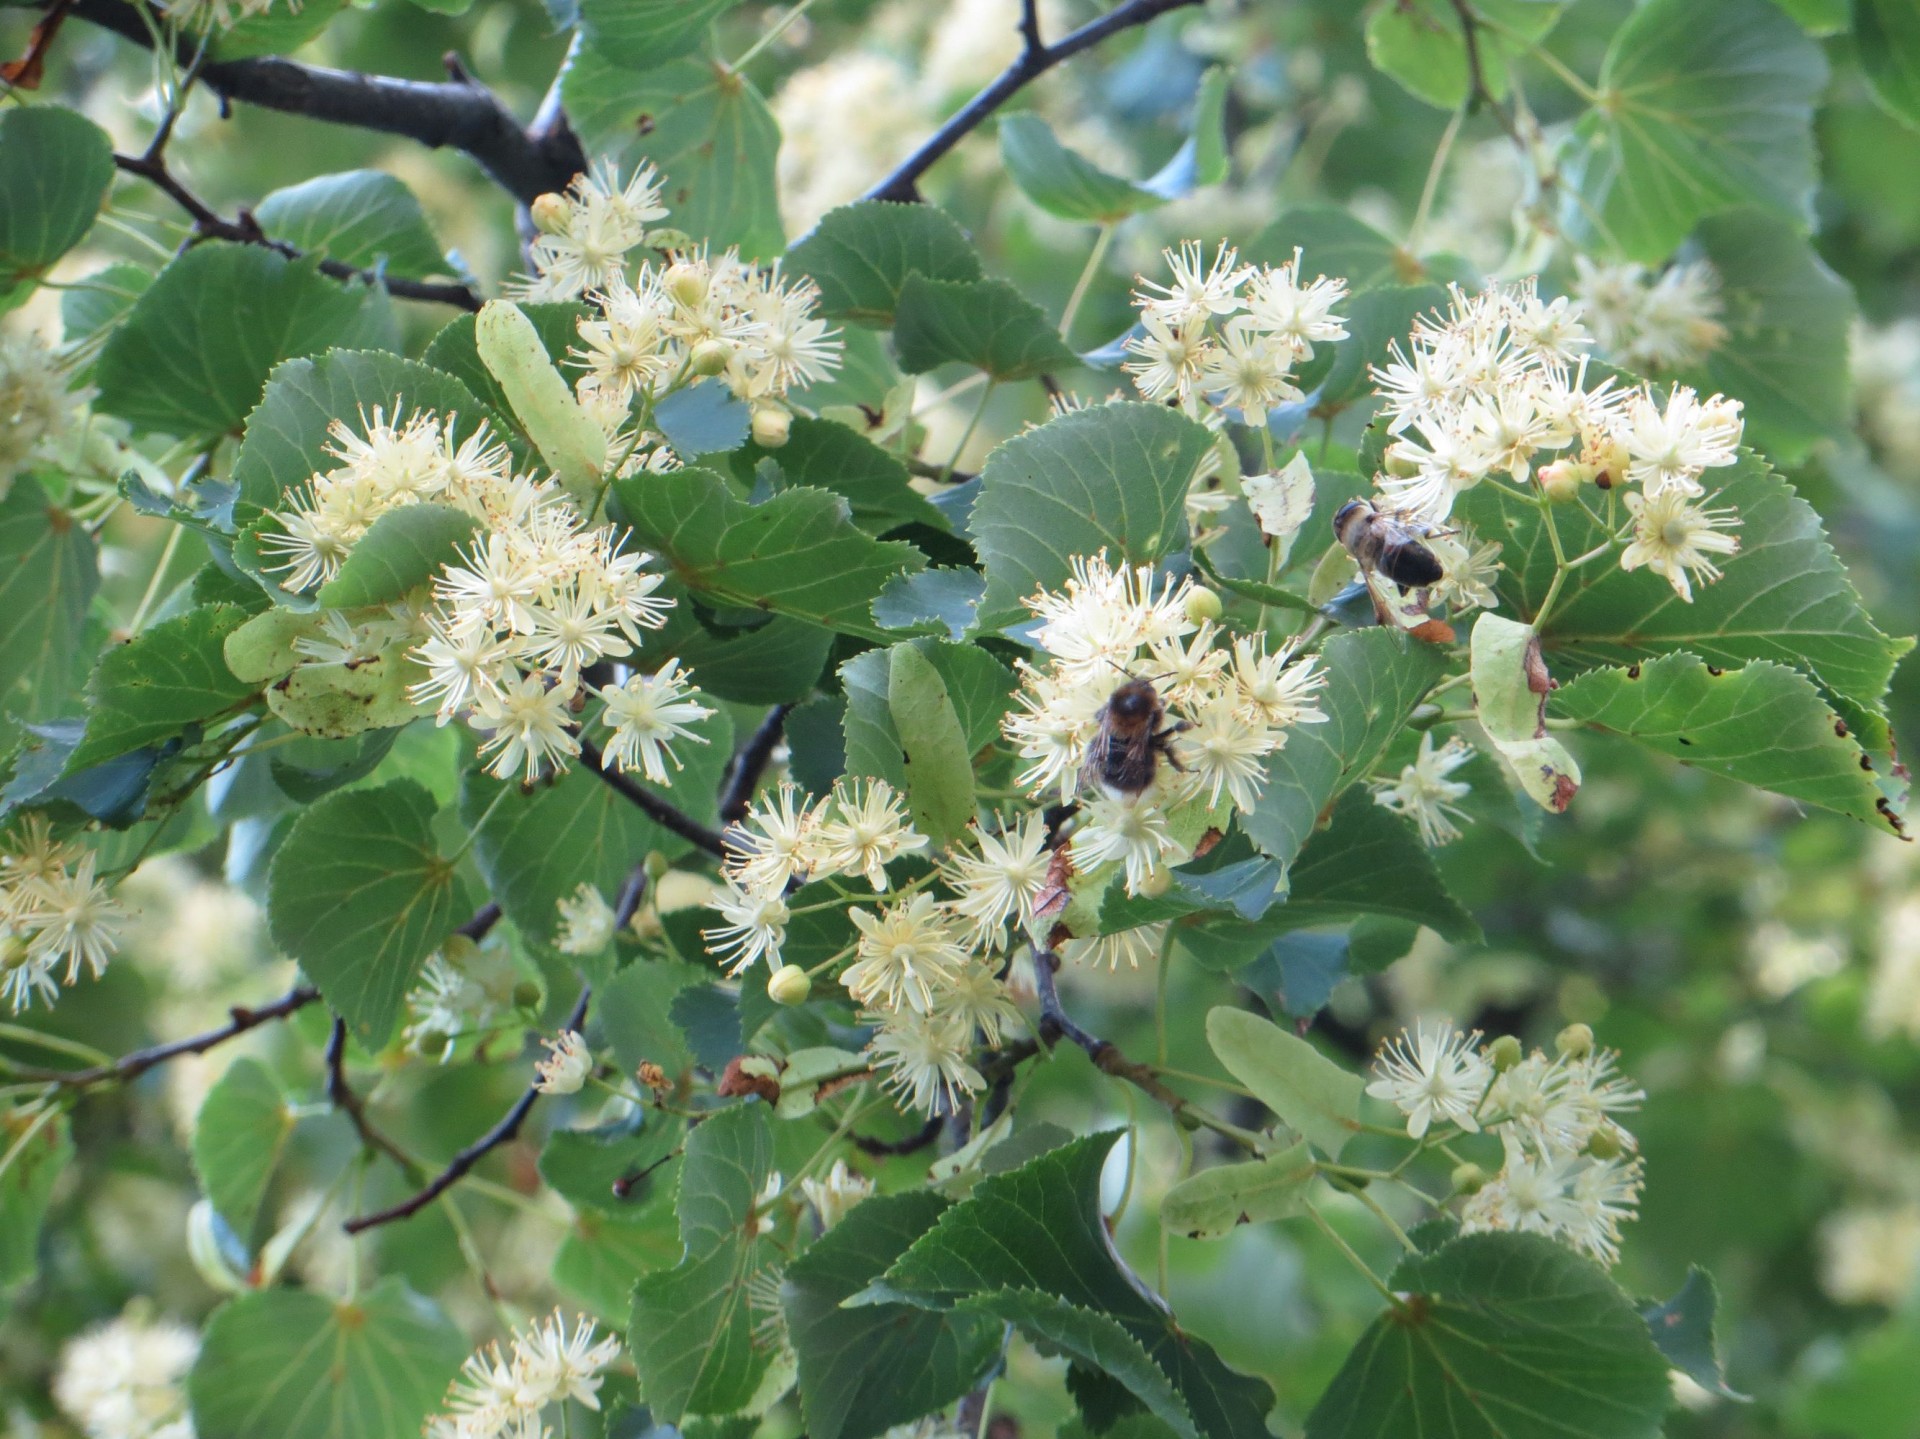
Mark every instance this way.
x=1162 y=743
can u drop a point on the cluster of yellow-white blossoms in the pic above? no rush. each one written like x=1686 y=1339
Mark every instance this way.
x=534 y=599
x=1229 y=335
x=1498 y=386
x=1229 y=701
x=1569 y=1170
x=1651 y=322
x=125 y=1379
x=54 y=911
x=35 y=407
x=922 y=966
x=501 y=1394
x=696 y=316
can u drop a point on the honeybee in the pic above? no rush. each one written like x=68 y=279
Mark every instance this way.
x=1390 y=545
x=1130 y=741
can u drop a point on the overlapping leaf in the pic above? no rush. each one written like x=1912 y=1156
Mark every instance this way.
x=860 y=256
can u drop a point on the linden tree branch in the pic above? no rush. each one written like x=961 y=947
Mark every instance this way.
x=1035 y=59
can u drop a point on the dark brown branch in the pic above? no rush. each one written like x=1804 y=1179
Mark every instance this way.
x=525 y=161
x=132 y=1066
x=343 y=1098
x=1035 y=59
x=650 y=804
x=743 y=775
x=482 y=923
x=207 y=225
x=1106 y=1056
x=911 y=1144
x=462 y=1163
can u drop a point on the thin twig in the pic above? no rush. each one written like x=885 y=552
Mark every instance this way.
x=912 y=1143
x=482 y=923
x=524 y=160
x=343 y=1098
x=1034 y=60
x=650 y=804
x=457 y=1168
x=132 y=1066
x=743 y=775
x=208 y=225
x=1479 y=93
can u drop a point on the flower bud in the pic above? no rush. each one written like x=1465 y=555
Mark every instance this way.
x=1561 y=480
x=657 y=865
x=771 y=426
x=1469 y=1179
x=685 y=282
x=1158 y=881
x=1504 y=1053
x=526 y=994
x=550 y=213
x=710 y=357
x=1605 y=1143
x=457 y=950
x=1203 y=604
x=1575 y=1041
x=789 y=985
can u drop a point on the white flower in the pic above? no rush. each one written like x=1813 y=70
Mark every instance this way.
x=586 y=921
x=999 y=887
x=70 y=916
x=978 y=999
x=1196 y=295
x=1247 y=370
x=905 y=955
x=1169 y=360
x=1129 y=831
x=1275 y=687
x=776 y=843
x=1433 y=1072
x=925 y=1059
x=1669 y=449
x=756 y=925
x=125 y=1379
x=1133 y=945
x=1472 y=568
x=1538 y=1096
x=1871 y=1254
x=646 y=713
x=1294 y=314
x=1677 y=539
x=1425 y=794
x=529 y=721
x=1223 y=747
x=868 y=828
x=833 y=1196
x=1106 y=614
x=555 y=1366
x=34 y=403
x=566 y=1067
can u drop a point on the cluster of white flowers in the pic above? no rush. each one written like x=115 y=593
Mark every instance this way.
x=921 y=965
x=500 y=1394
x=1651 y=322
x=1870 y=1254
x=586 y=919
x=853 y=116
x=1228 y=703
x=54 y=911
x=464 y=989
x=1885 y=360
x=567 y=1065
x=1569 y=1170
x=696 y=316
x=34 y=403
x=123 y=1379
x=1424 y=791
x=1229 y=335
x=534 y=599
x=1498 y=385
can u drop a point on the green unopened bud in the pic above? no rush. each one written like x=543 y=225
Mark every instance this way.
x=1157 y=882
x=458 y=950
x=1504 y=1053
x=1203 y=605
x=657 y=865
x=685 y=282
x=710 y=357
x=526 y=995
x=1605 y=1143
x=1469 y=1179
x=771 y=426
x=1561 y=480
x=789 y=985
x=1575 y=1041
x=550 y=213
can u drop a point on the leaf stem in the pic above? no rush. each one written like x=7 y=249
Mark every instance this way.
x=1087 y=272
x=1353 y=1257
x=772 y=33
